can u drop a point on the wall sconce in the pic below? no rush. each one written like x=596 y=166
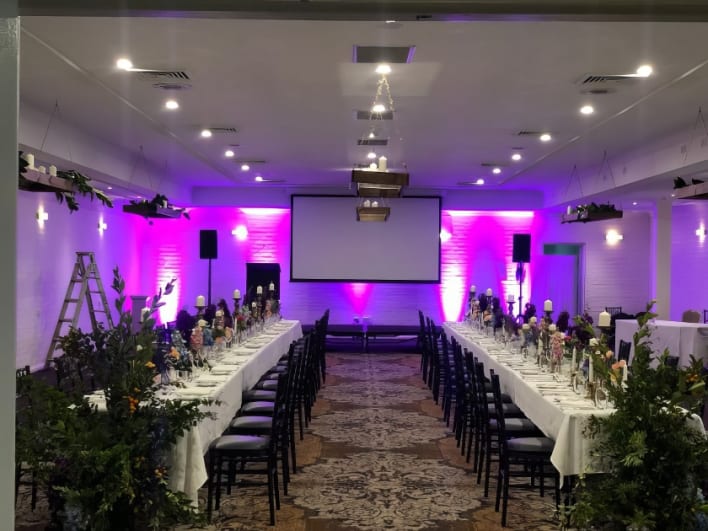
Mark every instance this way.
x=612 y=237
x=41 y=216
x=241 y=233
x=701 y=233
x=102 y=226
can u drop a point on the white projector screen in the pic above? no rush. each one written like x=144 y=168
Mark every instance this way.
x=328 y=244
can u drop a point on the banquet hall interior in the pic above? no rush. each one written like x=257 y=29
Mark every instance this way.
x=260 y=130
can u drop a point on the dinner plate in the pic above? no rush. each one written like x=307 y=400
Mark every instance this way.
x=223 y=369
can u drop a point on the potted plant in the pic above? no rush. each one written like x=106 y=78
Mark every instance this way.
x=653 y=457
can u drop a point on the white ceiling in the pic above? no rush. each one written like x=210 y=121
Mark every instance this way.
x=290 y=89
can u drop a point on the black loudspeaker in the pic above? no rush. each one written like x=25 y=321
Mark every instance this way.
x=207 y=244
x=522 y=248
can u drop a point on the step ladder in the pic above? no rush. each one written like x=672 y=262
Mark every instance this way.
x=90 y=289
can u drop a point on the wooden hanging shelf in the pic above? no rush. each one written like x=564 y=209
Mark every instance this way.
x=694 y=191
x=149 y=210
x=35 y=181
x=586 y=217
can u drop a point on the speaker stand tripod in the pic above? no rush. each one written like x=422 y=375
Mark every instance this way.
x=520 y=275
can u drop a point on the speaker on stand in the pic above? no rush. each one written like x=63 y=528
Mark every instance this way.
x=208 y=251
x=521 y=254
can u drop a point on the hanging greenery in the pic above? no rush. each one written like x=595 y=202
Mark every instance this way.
x=158 y=207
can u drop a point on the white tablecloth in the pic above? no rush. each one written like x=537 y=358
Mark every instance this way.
x=187 y=470
x=682 y=339
x=558 y=412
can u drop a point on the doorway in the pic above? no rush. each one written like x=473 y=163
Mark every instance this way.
x=562 y=278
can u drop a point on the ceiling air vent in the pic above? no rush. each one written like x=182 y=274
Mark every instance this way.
x=529 y=133
x=368 y=115
x=600 y=79
x=154 y=76
x=492 y=165
x=227 y=130
x=382 y=54
x=249 y=161
x=172 y=86
x=372 y=142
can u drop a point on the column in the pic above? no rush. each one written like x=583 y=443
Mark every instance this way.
x=661 y=229
x=9 y=96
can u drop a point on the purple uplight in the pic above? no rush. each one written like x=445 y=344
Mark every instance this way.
x=359 y=294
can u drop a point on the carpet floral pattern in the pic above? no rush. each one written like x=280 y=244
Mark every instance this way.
x=376 y=456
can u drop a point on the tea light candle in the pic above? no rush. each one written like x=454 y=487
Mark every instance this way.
x=526 y=326
x=201 y=301
x=237 y=294
x=53 y=170
x=253 y=305
x=259 y=290
x=604 y=320
x=552 y=328
x=510 y=297
x=533 y=320
x=271 y=287
x=548 y=305
x=489 y=292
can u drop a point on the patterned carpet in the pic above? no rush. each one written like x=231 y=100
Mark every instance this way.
x=378 y=456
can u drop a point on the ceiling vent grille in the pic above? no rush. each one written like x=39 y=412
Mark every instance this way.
x=600 y=79
x=383 y=54
x=172 y=86
x=249 y=161
x=224 y=130
x=161 y=75
x=492 y=165
x=372 y=142
x=368 y=115
x=529 y=133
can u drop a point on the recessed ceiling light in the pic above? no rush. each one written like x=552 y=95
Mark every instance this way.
x=378 y=108
x=110 y=187
x=124 y=64
x=371 y=155
x=245 y=167
x=390 y=22
x=171 y=105
x=228 y=153
x=516 y=156
x=258 y=179
x=587 y=109
x=634 y=203
x=479 y=181
x=206 y=133
x=496 y=171
x=673 y=195
x=545 y=137
x=383 y=68
x=645 y=71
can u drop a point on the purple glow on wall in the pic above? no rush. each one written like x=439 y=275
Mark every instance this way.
x=358 y=294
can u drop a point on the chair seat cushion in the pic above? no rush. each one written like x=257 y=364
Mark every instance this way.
x=270 y=385
x=240 y=442
x=505 y=398
x=541 y=445
x=515 y=425
x=250 y=424
x=510 y=410
x=279 y=368
x=257 y=408
x=258 y=394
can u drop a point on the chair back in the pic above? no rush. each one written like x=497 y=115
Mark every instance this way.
x=624 y=349
x=613 y=310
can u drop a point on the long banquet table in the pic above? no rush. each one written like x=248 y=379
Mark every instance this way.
x=552 y=406
x=681 y=339
x=238 y=370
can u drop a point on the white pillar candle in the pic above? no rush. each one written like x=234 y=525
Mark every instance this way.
x=53 y=170
x=473 y=289
x=42 y=169
x=382 y=163
x=271 y=287
x=604 y=319
x=259 y=290
x=237 y=294
x=569 y=210
x=201 y=301
x=525 y=326
x=29 y=157
x=253 y=305
x=552 y=328
x=548 y=305
x=510 y=297
x=489 y=292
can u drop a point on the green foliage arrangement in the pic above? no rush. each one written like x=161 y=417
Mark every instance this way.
x=80 y=184
x=654 y=459
x=152 y=208
x=106 y=469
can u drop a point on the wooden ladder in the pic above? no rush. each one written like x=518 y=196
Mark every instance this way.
x=86 y=276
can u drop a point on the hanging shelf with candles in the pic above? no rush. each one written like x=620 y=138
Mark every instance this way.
x=591 y=211
x=157 y=207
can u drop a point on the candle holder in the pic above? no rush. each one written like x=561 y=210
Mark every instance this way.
x=200 y=311
x=510 y=305
x=548 y=314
